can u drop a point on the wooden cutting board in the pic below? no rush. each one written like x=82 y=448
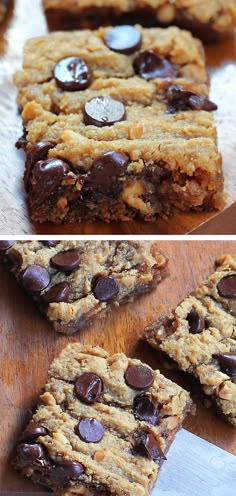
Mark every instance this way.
x=28 y=21
x=28 y=345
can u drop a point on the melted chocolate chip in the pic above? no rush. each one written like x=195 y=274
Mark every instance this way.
x=22 y=142
x=227 y=286
x=150 y=66
x=90 y=430
x=29 y=454
x=103 y=111
x=5 y=245
x=36 y=152
x=66 y=261
x=72 y=74
x=228 y=363
x=105 y=170
x=47 y=176
x=139 y=377
x=123 y=39
x=144 y=409
x=33 y=431
x=196 y=322
x=64 y=472
x=57 y=293
x=88 y=387
x=147 y=445
x=181 y=99
x=105 y=288
x=35 y=278
x=50 y=243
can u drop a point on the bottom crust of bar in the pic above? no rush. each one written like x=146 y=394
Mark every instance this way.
x=68 y=207
x=62 y=19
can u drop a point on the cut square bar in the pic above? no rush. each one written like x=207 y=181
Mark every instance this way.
x=103 y=425
x=117 y=126
x=72 y=282
x=206 y=19
x=200 y=336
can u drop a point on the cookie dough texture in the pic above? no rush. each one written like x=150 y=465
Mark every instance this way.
x=199 y=353
x=112 y=465
x=128 y=268
x=173 y=163
x=206 y=18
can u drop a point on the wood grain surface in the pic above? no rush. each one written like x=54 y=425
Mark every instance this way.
x=28 y=21
x=28 y=345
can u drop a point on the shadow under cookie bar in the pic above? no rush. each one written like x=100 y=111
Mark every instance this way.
x=199 y=336
x=103 y=423
x=135 y=139
x=73 y=282
x=207 y=22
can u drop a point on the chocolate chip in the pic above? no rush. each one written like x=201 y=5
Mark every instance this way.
x=147 y=445
x=47 y=176
x=33 y=431
x=14 y=259
x=228 y=363
x=88 y=387
x=181 y=99
x=57 y=293
x=36 y=152
x=150 y=66
x=22 y=142
x=123 y=39
x=139 y=377
x=28 y=454
x=5 y=245
x=105 y=288
x=90 y=430
x=50 y=243
x=65 y=471
x=144 y=409
x=227 y=286
x=105 y=170
x=196 y=322
x=35 y=278
x=103 y=111
x=66 y=261
x=72 y=74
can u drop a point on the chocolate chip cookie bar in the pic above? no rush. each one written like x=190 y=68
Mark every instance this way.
x=103 y=425
x=74 y=281
x=206 y=19
x=200 y=335
x=118 y=125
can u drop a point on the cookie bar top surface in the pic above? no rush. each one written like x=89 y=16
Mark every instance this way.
x=103 y=423
x=206 y=18
x=73 y=281
x=200 y=335
x=139 y=96
x=183 y=58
